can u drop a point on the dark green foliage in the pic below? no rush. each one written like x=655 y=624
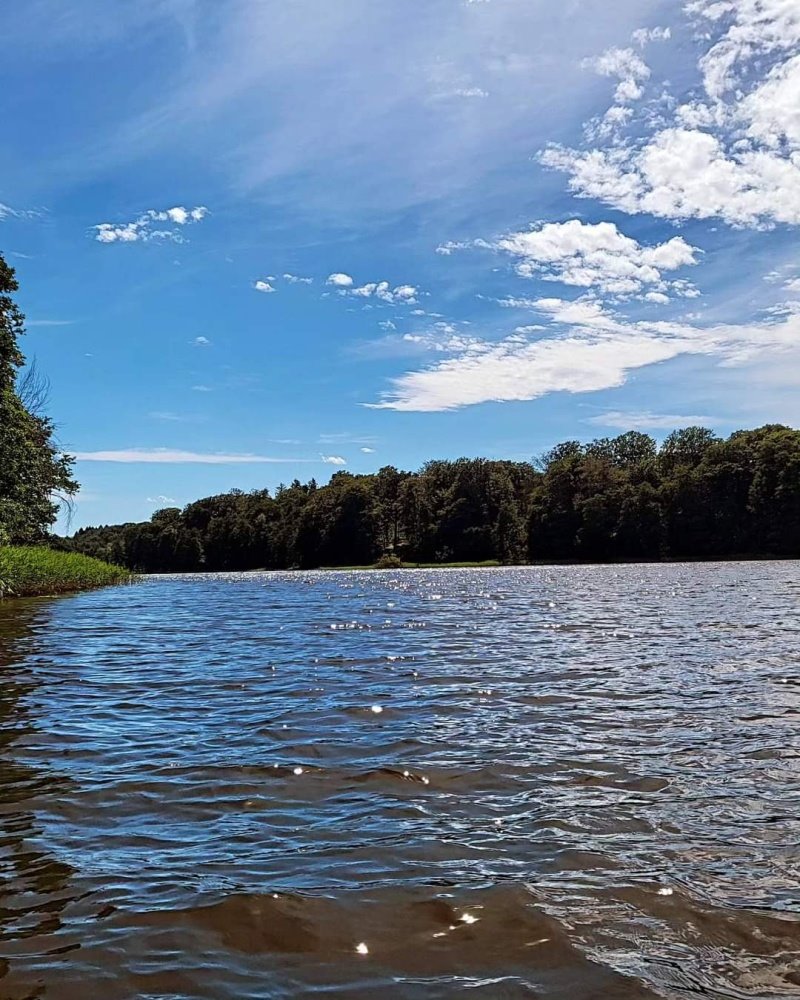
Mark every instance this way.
x=33 y=472
x=614 y=499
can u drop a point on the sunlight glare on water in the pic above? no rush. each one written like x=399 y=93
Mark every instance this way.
x=554 y=782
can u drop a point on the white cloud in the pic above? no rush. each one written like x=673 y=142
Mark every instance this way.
x=295 y=279
x=401 y=294
x=647 y=420
x=7 y=212
x=732 y=154
x=166 y=456
x=201 y=342
x=598 y=257
x=644 y=35
x=589 y=356
x=368 y=451
x=628 y=67
x=201 y=388
x=263 y=286
x=684 y=173
x=333 y=460
x=50 y=322
x=168 y=415
x=749 y=29
x=161 y=500
x=772 y=110
x=141 y=230
x=339 y=280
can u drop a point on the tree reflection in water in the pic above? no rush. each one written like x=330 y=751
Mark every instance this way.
x=35 y=884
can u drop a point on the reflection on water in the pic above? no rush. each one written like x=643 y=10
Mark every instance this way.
x=575 y=783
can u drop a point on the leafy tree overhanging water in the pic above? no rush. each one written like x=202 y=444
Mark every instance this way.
x=34 y=475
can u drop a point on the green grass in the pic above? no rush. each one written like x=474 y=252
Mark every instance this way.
x=34 y=572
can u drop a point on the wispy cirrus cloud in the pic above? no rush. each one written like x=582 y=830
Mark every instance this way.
x=176 y=456
x=7 y=212
x=648 y=420
x=597 y=350
x=249 y=69
x=50 y=322
x=170 y=416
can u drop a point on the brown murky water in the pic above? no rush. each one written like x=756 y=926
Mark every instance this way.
x=562 y=783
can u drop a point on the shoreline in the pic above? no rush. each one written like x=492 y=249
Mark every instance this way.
x=543 y=564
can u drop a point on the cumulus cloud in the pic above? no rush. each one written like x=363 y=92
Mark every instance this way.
x=339 y=280
x=402 y=294
x=599 y=257
x=333 y=460
x=142 y=229
x=201 y=342
x=295 y=279
x=161 y=500
x=685 y=173
x=263 y=286
x=590 y=355
x=382 y=290
x=368 y=451
x=732 y=153
x=627 y=66
x=748 y=29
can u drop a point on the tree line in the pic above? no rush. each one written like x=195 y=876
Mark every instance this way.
x=697 y=496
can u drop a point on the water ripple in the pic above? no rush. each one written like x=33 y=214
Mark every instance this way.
x=575 y=783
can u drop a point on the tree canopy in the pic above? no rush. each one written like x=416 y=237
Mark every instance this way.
x=696 y=497
x=33 y=471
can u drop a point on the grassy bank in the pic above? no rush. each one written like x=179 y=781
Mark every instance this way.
x=33 y=572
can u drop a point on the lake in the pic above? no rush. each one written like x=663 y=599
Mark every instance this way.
x=552 y=782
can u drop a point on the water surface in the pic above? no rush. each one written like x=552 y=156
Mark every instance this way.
x=557 y=783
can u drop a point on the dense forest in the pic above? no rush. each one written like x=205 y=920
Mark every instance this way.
x=696 y=497
x=34 y=475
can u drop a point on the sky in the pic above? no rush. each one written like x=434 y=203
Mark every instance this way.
x=266 y=239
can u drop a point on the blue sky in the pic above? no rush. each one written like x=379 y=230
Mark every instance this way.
x=259 y=240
